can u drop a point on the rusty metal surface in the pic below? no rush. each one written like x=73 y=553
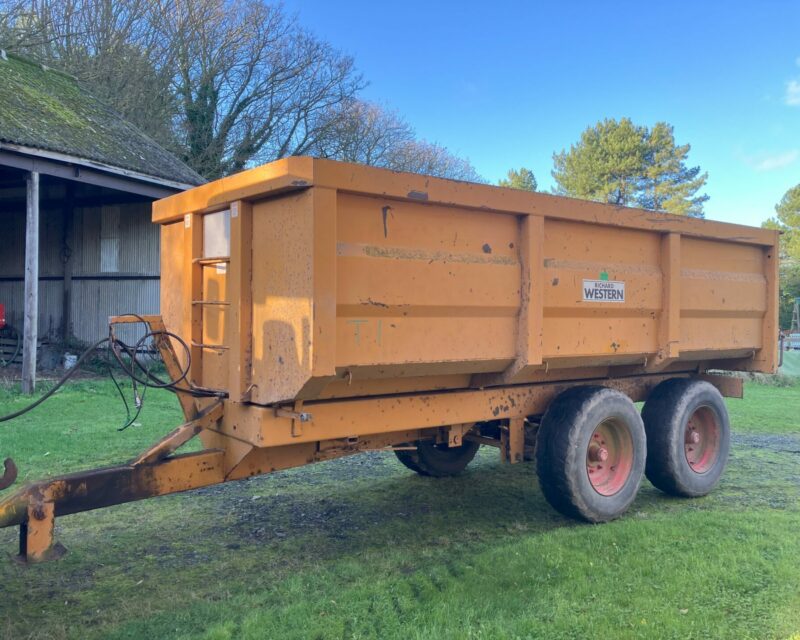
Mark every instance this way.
x=728 y=386
x=87 y=490
x=512 y=441
x=36 y=542
x=261 y=427
x=250 y=461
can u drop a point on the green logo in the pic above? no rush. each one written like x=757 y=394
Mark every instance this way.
x=604 y=275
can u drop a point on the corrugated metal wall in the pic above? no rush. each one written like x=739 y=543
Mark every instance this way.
x=94 y=301
x=115 y=267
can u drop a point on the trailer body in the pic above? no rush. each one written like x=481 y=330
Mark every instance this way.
x=340 y=308
x=336 y=280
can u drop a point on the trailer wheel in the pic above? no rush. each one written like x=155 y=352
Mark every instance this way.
x=590 y=453
x=437 y=460
x=688 y=437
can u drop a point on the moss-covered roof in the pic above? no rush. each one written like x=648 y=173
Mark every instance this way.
x=49 y=110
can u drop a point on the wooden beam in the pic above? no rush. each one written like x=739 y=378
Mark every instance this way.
x=49 y=204
x=107 y=176
x=31 y=302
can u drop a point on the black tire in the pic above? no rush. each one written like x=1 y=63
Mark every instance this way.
x=437 y=460
x=567 y=444
x=675 y=465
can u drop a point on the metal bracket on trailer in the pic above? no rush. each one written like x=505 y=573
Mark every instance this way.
x=728 y=386
x=456 y=433
x=168 y=355
x=180 y=436
x=512 y=441
x=298 y=417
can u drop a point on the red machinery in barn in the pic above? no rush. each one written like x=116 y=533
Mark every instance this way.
x=10 y=340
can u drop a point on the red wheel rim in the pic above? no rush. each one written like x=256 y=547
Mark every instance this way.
x=609 y=457
x=701 y=440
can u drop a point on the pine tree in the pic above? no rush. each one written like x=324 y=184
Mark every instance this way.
x=668 y=184
x=522 y=179
x=630 y=165
x=788 y=221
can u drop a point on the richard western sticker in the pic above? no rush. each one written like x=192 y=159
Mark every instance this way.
x=603 y=291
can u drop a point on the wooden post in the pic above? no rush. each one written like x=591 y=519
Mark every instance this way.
x=67 y=243
x=31 y=302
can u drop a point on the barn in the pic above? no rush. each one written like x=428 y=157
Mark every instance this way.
x=76 y=183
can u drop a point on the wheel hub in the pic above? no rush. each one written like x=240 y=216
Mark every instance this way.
x=597 y=452
x=609 y=457
x=692 y=437
x=702 y=440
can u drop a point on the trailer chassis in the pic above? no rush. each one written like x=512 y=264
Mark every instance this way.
x=243 y=440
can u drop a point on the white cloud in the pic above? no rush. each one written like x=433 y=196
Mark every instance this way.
x=764 y=162
x=792 y=97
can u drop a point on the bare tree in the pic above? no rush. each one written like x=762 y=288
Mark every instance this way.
x=252 y=85
x=371 y=134
x=236 y=81
x=111 y=46
x=364 y=132
x=224 y=83
x=420 y=156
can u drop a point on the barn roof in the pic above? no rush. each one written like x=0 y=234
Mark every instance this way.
x=45 y=109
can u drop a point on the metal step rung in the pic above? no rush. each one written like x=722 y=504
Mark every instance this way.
x=213 y=347
x=209 y=261
x=222 y=303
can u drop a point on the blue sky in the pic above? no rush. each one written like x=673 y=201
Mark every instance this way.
x=507 y=83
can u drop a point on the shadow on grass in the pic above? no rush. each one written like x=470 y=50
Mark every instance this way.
x=369 y=501
x=248 y=536
x=364 y=504
x=300 y=518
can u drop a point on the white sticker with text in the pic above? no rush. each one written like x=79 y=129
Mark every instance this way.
x=603 y=291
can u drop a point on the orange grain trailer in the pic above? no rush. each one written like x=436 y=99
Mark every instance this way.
x=326 y=309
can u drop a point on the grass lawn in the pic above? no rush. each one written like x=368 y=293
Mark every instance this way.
x=791 y=363
x=363 y=548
